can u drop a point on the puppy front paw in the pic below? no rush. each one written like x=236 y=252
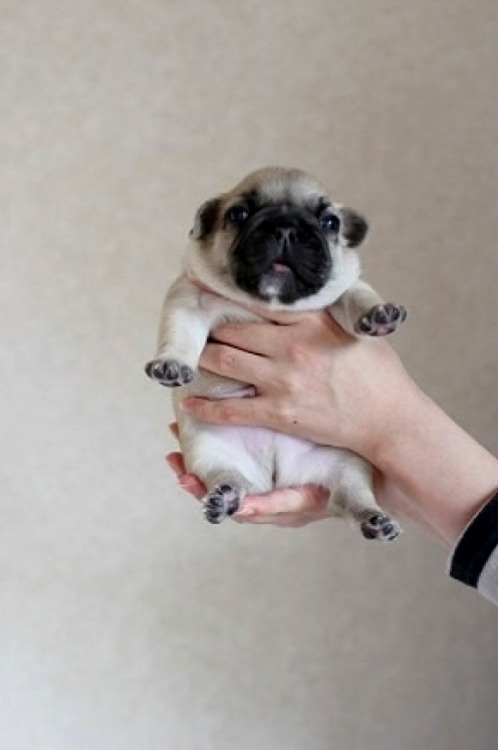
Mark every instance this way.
x=223 y=501
x=380 y=527
x=169 y=372
x=381 y=320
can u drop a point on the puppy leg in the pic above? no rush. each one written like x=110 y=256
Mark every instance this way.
x=226 y=489
x=361 y=311
x=231 y=461
x=347 y=477
x=353 y=496
x=188 y=315
x=183 y=333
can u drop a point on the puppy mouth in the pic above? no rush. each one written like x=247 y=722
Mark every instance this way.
x=276 y=279
x=276 y=282
x=281 y=278
x=280 y=268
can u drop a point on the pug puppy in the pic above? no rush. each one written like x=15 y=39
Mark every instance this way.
x=275 y=241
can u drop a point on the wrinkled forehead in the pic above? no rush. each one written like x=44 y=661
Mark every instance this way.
x=276 y=185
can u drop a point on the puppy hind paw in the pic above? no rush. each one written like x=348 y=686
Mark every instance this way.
x=380 y=527
x=221 y=502
x=382 y=320
x=169 y=372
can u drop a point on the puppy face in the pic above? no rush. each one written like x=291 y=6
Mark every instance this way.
x=278 y=239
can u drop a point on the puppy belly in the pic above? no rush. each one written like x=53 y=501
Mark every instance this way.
x=267 y=459
x=302 y=462
x=247 y=450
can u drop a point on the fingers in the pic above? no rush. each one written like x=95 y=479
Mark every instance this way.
x=293 y=506
x=173 y=428
x=235 y=363
x=229 y=411
x=281 y=318
x=304 y=499
x=267 y=338
x=187 y=482
x=257 y=353
x=287 y=520
x=193 y=486
x=257 y=338
x=175 y=462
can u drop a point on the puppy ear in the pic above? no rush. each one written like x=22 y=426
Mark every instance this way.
x=205 y=218
x=353 y=227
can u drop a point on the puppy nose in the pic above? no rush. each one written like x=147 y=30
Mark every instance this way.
x=285 y=236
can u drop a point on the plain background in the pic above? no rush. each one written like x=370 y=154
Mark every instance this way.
x=126 y=622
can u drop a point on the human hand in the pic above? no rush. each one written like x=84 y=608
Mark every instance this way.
x=312 y=380
x=316 y=382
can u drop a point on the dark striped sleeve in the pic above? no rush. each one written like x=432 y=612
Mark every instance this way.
x=475 y=558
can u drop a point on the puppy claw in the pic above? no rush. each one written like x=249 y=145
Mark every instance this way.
x=382 y=320
x=169 y=372
x=380 y=527
x=223 y=501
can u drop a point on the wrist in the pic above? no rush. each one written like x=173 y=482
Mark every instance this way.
x=441 y=468
x=397 y=423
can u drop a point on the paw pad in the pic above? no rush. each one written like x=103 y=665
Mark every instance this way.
x=223 y=501
x=382 y=319
x=169 y=372
x=380 y=527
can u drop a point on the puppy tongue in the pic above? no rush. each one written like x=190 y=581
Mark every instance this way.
x=280 y=267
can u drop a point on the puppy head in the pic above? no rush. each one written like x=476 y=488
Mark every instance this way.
x=277 y=238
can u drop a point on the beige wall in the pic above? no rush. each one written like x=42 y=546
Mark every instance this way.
x=126 y=622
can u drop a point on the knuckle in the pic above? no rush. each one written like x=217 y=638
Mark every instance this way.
x=283 y=412
x=297 y=353
x=231 y=328
x=225 y=358
x=196 y=407
x=319 y=321
x=289 y=383
x=227 y=412
x=225 y=328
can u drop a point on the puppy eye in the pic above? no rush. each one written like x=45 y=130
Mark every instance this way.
x=329 y=222
x=238 y=214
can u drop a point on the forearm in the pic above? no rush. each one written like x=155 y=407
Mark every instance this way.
x=446 y=474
